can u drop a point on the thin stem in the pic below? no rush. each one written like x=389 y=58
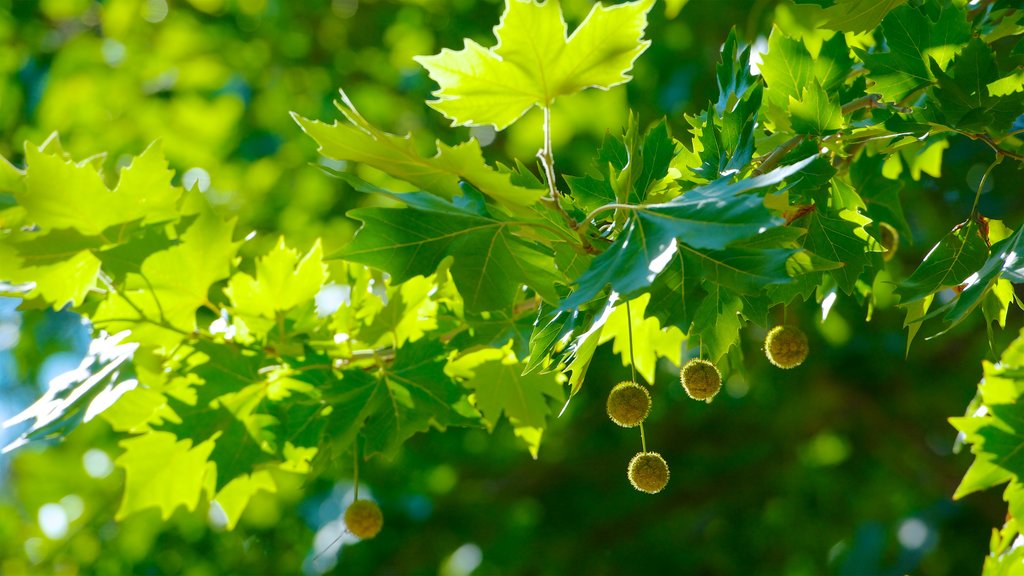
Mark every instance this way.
x=585 y=225
x=981 y=184
x=772 y=159
x=632 y=367
x=281 y=335
x=629 y=328
x=355 y=467
x=547 y=160
x=1010 y=135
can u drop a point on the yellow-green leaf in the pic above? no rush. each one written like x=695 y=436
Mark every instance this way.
x=282 y=281
x=535 y=61
x=162 y=472
x=359 y=141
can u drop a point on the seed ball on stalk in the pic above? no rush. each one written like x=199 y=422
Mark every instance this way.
x=701 y=379
x=364 y=519
x=786 y=347
x=629 y=404
x=648 y=472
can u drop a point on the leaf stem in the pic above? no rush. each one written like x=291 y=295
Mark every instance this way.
x=993 y=145
x=585 y=225
x=981 y=184
x=547 y=160
x=632 y=367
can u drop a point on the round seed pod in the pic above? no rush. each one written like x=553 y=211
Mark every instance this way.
x=629 y=404
x=701 y=379
x=648 y=472
x=786 y=346
x=364 y=519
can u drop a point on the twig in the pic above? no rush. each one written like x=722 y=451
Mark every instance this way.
x=772 y=159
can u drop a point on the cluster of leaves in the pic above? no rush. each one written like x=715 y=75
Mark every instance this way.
x=475 y=291
x=219 y=369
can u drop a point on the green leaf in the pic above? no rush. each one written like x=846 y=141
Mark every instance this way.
x=411 y=395
x=237 y=446
x=788 y=68
x=348 y=405
x=675 y=294
x=59 y=193
x=490 y=261
x=733 y=74
x=649 y=340
x=175 y=282
x=705 y=218
x=534 y=62
x=282 y=282
x=881 y=195
x=1007 y=85
x=913 y=41
x=626 y=166
x=858 y=15
x=717 y=322
x=163 y=472
x=839 y=236
x=963 y=95
x=815 y=113
x=500 y=387
x=961 y=252
x=360 y=141
x=408 y=315
x=743 y=271
x=1005 y=262
x=55 y=268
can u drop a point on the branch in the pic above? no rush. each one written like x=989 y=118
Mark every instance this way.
x=772 y=159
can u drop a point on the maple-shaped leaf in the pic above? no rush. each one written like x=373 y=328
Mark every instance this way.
x=59 y=193
x=359 y=141
x=914 y=40
x=815 y=113
x=535 y=61
x=1004 y=262
x=282 y=281
x=717 y=322
x=996 y=433
x=490 y=261
x=788 y=67
x=858 y=15
x=626 y=168
x=163 y=472
x=646 y=342
x=410 y=396
x=172 y=284
x=949 y=263
x=963 y=95
x=704 y=219
x=501 y=388
x=839 y=236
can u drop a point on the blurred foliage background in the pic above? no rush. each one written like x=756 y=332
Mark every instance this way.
x=844 y=466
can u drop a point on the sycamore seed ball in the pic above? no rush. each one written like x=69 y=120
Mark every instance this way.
x=701 y=379
x=363 y=519
x=648 y=472
x=628 y=404
x=786 y=346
